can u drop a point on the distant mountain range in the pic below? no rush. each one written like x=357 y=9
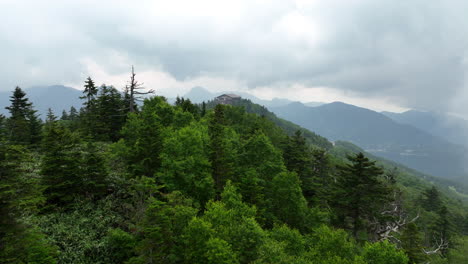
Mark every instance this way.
x=380 y=135
x=452 y=128
x=56 y=97
x=200 y=94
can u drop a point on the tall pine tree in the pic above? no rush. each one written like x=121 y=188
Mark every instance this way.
x=94 y=172
x=88 y=114
x=142 y=136
x=360 y=194
x=221 y=166
x=411 y=243
x=60 y=166
x=23 y=125
x=108 y=114
x=20 y=242
x=298 y=158
x=89 y=93
x=431 y=199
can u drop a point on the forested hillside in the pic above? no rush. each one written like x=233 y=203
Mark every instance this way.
x=113 y=182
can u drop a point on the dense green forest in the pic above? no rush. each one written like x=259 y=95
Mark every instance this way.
x=121 y=182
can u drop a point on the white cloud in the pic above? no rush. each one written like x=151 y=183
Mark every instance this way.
x=162 y=82
x=301 y=93
x=410 y=51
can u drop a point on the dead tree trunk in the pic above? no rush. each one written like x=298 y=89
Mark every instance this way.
x=135 y=91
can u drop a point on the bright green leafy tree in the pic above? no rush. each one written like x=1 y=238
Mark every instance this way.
x=234 y=222
x=383 y=253
x=185 y=165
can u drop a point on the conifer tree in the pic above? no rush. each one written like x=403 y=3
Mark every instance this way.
x=64 y=116
x=73 y=118
x=73 y=114
x=411 y=243
x=23 y=125
x=88 y=113
x=50 y=118
x=20 y=104
x=108 y=114
x=187 y=106
x=203 y=109
x=94 y=172
x=35 y=127
x=3 y=129
x=19 y=196
x=60 y=166
x=360 y=193
x=431 y=199
x=298 y=158
x=222 y=168
x=322 y=181
x=90 y=91
x=11 y=158
x=142 y=136
x=442 y=229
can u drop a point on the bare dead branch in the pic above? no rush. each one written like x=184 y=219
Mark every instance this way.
x=440 y=245
x=134 y=91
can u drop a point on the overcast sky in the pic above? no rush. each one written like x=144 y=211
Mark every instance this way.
x=386 y=55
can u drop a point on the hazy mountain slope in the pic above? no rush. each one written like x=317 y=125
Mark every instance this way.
x=380 y=135
x=200 y=94
x=56 y=97
x=449 y=127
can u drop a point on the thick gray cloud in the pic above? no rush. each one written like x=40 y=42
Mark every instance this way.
x=412 y=51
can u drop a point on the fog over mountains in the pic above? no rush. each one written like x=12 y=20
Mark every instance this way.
x=452 y=128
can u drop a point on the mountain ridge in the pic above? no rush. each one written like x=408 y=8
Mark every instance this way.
x=449 y=127
x=199 y=94
x=380 y=135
